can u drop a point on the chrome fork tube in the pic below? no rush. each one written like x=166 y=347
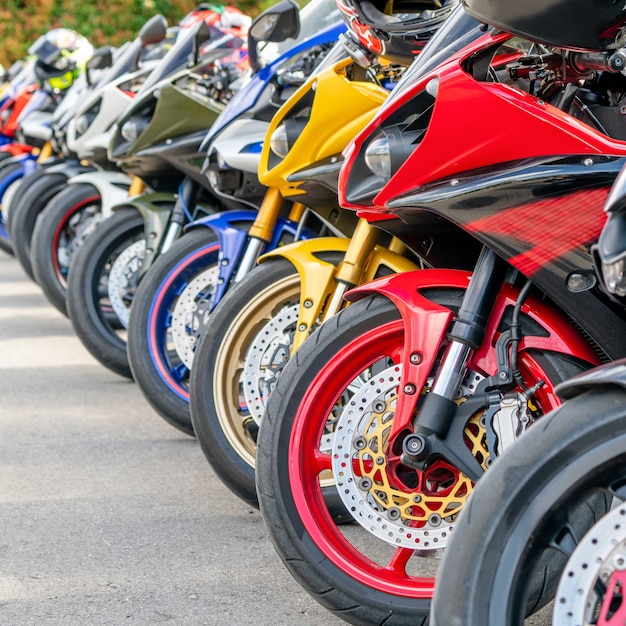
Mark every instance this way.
x=452 y=370
x=253 y=250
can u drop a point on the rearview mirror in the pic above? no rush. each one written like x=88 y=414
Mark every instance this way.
x=102 y=57
x=153 y=31
x=280 y=22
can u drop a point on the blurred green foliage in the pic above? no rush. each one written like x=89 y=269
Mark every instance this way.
x=110 y=23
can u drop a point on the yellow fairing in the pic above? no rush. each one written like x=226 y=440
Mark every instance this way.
x=317 y=277
x=340 y=109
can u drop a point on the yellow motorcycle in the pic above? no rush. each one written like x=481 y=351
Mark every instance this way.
x=265 y=317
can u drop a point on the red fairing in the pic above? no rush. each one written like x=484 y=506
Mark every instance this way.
x=476 y=124
x=9 y=126
x=16 y=148
x=426 y=324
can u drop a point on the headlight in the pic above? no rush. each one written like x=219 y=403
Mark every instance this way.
x=286 y=135
x=378 y=157
x=82 y=124
x=614 y=275
x=279 y=143
x=132 y=129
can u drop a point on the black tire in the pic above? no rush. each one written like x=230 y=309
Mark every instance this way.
x=22 y=187
x=7 y=244
x=88 y=302
x=24 y=215
x=351 y=575
x=155 y=363
x=225 y=430
x=536 y=497
x=59 y=231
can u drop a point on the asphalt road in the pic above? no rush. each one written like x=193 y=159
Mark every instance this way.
x=108 y=515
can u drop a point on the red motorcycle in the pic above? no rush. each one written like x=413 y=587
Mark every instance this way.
x=492 y=158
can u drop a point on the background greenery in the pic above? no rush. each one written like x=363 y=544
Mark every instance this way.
x=113 y=22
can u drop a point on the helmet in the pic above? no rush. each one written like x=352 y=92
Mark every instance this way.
x=61 y=55
x=394 y=29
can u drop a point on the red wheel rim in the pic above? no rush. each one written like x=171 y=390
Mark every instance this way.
x=307 y=462
x=60 y=228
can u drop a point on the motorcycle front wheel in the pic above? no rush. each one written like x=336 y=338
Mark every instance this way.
x=8 y=240
x=61 y=228
x=237 y=363
x=170 y=311
x=25 y=212
x=99 y=305
x=535 y=500
x=336 y=397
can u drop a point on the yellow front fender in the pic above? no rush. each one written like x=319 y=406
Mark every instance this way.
x=317 y=276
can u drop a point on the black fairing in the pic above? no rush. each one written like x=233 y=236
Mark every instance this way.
x=540 y=215
x=573 y=24
x=163 y=167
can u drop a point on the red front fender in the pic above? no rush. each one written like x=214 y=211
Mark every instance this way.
x=426 y=324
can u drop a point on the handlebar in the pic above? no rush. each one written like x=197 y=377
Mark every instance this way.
x=585 y=62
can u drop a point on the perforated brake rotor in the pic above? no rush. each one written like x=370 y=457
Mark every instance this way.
x=266 y=357
x=191 y=313
x=417 y=512
x=124 y=278
x=593 y=583
x=78 y=227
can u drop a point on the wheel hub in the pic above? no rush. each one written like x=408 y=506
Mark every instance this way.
x=266 y=358
x=191 y=313
x=404 y=507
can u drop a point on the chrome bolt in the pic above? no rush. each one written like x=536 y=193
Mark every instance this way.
x=415 y=358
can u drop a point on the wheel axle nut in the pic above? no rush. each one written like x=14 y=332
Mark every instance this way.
x=414 y=445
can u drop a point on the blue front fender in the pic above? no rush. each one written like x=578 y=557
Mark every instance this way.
x=231 y=229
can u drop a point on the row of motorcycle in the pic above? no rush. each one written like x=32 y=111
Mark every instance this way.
x=358 y=251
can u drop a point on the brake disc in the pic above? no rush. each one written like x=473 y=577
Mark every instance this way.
x=405 y=508
x=124 y=278
x=266 y=357
x=191 y=313
x=592 y=585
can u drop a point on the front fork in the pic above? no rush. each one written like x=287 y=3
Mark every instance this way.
x=182 y=212
x=262 y=230
x=434 y=419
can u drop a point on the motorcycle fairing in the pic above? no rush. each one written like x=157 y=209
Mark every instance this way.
x=452 y=142
x=426 y=324
x=112 y=187
x=542 y=216
x=248 y=95
x=231 y=229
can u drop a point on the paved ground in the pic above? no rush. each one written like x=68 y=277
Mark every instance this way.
x=107 y=514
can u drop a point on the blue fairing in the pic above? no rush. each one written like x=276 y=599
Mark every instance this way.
x=247 y=96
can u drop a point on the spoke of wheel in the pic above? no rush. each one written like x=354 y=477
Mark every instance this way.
x=565 y=542
x=399 y=561
x=320 y=462
x=180 y=371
